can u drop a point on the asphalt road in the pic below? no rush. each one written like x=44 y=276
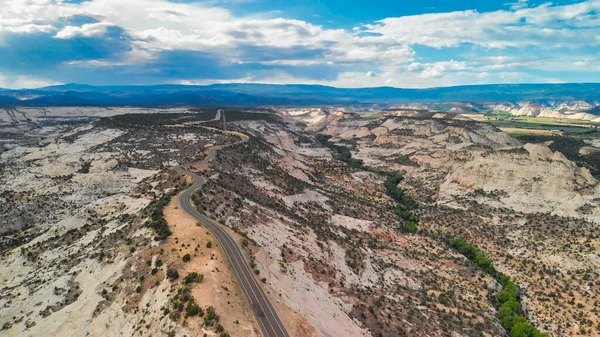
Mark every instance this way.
x=266 y=315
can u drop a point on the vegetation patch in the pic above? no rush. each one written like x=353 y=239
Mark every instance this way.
x=404 y=203
x=345 y=155
x=508 y=300
x=193 y=277
x=157 y=221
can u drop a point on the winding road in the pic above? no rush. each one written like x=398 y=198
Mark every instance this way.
x=266 y=315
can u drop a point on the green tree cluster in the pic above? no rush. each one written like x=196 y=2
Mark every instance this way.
x=474 y=254
x=404 y=203
x=510 y=312
x=346 y=156
x=193 y=277
x=157 y=221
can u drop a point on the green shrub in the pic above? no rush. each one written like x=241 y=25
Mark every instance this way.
x=210 y=313
x=208 y=244
x=192 y=309
x=193 y=277
x=157 y=222
x=174 y=315
x=187 y=258
x=172 y=274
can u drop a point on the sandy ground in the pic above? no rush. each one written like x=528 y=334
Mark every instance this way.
x=220 y=287
x=230 y=304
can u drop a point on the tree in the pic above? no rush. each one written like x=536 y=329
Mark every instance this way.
x=192 y=309
x=411 y=227
x=172 y=274
x=210 y=313
x=524 y=329
x=208 y=244
x=193 y=277
x=187 y=258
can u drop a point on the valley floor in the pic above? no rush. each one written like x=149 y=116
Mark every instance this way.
x=93 y=242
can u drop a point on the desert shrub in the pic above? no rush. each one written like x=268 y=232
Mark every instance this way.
x=174 y=315
x=210 y=315
x=157 y=221
x=172 y=274
x=192 y=309
x=193 y=277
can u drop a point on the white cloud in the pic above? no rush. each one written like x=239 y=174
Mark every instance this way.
x=386 y=55
x=435 y=70
x=439 y=69
x=518 y=5
x=157 y=25
x=563 y=62
x=29 y=29
x=87 y=30
x=20 y=82
x=543 y=26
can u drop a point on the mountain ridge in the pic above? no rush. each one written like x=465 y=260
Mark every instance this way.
x=253 y=94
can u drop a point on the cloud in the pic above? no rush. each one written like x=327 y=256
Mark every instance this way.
x=545 y=26
x=17 y=82
x=518 y=5
x=439 y=69
x=87 y=30
x=159 y=41
x=41 y=51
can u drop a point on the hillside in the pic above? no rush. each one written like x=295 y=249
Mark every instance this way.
x=267 y=94
x=345 y=220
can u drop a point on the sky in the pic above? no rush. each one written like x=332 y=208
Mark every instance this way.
x=361 y=43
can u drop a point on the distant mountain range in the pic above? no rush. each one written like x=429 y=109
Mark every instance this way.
x=298 y=95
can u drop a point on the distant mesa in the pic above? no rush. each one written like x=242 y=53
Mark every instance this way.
x=583 y=97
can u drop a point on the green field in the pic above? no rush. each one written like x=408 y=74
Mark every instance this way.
x=539 y=125
x=569 y=140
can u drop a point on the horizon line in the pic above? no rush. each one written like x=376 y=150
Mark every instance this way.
x=296 y=84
